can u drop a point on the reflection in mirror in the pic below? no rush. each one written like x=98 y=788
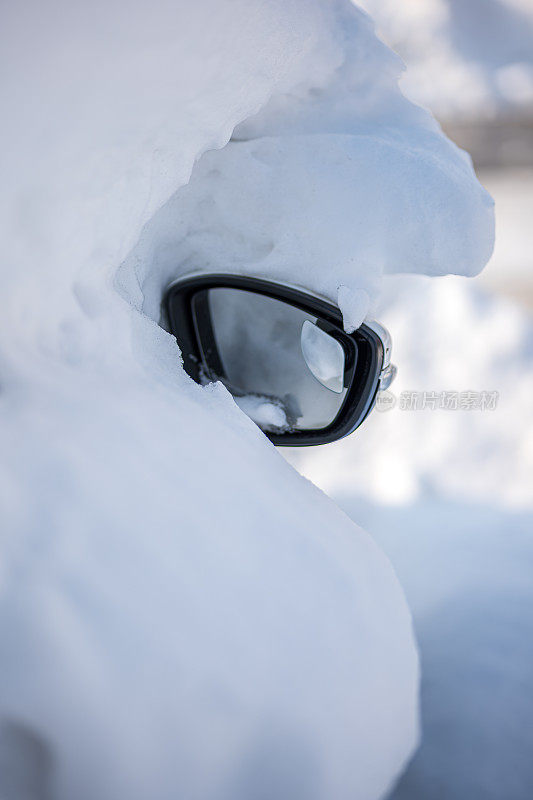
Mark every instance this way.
x=323 y=355
x=267 y=412
x=283 y=371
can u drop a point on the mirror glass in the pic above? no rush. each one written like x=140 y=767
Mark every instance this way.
x=282 y=369
x=323 y=355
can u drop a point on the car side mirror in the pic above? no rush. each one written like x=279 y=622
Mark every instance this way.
x=281 y=352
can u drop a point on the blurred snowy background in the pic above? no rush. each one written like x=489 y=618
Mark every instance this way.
x=460 y=482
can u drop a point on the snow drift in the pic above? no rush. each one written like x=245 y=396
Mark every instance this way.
x=181 y=614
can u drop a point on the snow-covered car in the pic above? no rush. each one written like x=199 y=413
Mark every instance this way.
x=181 y=613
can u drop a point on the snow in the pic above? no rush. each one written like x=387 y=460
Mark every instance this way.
x=181 y=613
x=354 y=306
x=466 y=568
x=265 y=411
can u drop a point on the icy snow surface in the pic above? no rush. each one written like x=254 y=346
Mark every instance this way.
x=181 y=614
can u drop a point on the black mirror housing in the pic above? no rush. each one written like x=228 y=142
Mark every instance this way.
x=189 y=317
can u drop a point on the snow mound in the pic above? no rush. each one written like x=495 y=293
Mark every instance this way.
x=181 y=613
x=337 y=181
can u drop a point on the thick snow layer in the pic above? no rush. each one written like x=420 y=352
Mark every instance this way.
x=337 y=182
x=181 y=614
x=467 y=58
